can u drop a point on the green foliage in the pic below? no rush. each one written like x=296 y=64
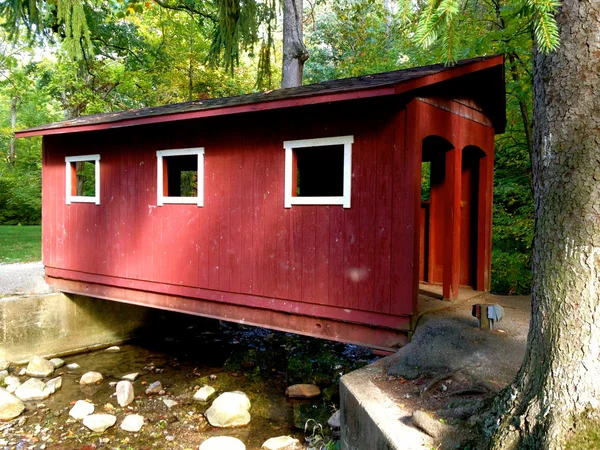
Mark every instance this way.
x=20 y=244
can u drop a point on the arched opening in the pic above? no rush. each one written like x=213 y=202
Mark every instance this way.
x=433 y=208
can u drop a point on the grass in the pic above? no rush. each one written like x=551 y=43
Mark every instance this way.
x=20 y=243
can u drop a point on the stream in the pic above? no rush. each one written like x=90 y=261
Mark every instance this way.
x=185 y=357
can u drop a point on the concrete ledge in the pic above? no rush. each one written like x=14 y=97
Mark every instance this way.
x=58 y=325
x=371 y=420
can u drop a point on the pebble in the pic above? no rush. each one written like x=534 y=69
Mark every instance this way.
x=154 y=388
x=204 y=393
x=57 y=363
x=334 y=420
x=4 y=364
x=114 y=349
x=212 y=377
x=12 y=380
x=54 y=384
x=132 y=423
x=303 y=391
x=125 y=393
x=33 y=389
x=81 y=409
x=99 y=422
x=39 y=367
x=230 y=409
x=12 y=387
x=130 y=376
x=169 y=403
x=281 y=443
x=90 y=378
x=23 y=372
x=222 y=443
x=10 y=406
x=73 y=366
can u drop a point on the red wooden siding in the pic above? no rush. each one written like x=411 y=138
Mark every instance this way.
x=243 y=241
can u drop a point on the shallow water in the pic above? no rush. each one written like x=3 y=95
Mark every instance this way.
x=259 y=362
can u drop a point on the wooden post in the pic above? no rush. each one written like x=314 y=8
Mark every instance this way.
x=452 y=225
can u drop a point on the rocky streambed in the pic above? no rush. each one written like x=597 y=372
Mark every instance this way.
x=199 y=384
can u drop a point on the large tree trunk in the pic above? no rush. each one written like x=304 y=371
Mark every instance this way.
x=559 y=380
x=295 y=53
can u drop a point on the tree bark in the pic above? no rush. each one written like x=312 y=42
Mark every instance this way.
x=295 y=53
x=559 y=383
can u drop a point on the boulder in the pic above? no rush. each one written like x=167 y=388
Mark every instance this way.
x=303 y=391
x=281 y=443
x=81 y=409
x=154 y=388
x=222 y=443
x=125 y=393
x=10 y=406
x=204 y=393
x=54 y=384
x=229 y=410
x=33 y=389
x=132 y=423
x=39 y=367
x=99 y=423
x=91 y=378
x=57 y=362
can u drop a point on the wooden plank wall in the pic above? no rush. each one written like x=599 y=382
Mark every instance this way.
x=243 y=240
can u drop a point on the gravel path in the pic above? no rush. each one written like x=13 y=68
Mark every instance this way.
x=23 y=279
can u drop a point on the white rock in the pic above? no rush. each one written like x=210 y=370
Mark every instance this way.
x=99 y=422
x=10 y=406
x=130 y=376
x=133 y=423
x=114 y=348
x=222 y=443
x=12 y=380
x=230 y=409
x=169 y=403
x=334 y=420
x=4 y=364
x=73 y=366
x=57 y=362
x=54 y=384
x=12 y=387
x=23 y=372
x=33 y=389
x=204 y=393
x=81 y=409
x=154 y=388
x=281 y=443
x=39 y=367
x=125 y=393
x=90 y=378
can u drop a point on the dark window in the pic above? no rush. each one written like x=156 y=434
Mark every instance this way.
x=319 y=171
x=180 y=176
x=85 y=179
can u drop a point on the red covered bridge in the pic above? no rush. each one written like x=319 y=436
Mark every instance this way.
x=298 y=209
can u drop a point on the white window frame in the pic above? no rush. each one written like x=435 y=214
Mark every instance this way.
x=69 y=160
x=344 y=199
x=162 y=199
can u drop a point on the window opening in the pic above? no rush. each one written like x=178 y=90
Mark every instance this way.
x=425 y=181
x=180 y=176
x=318 y=171
x=83 y=179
